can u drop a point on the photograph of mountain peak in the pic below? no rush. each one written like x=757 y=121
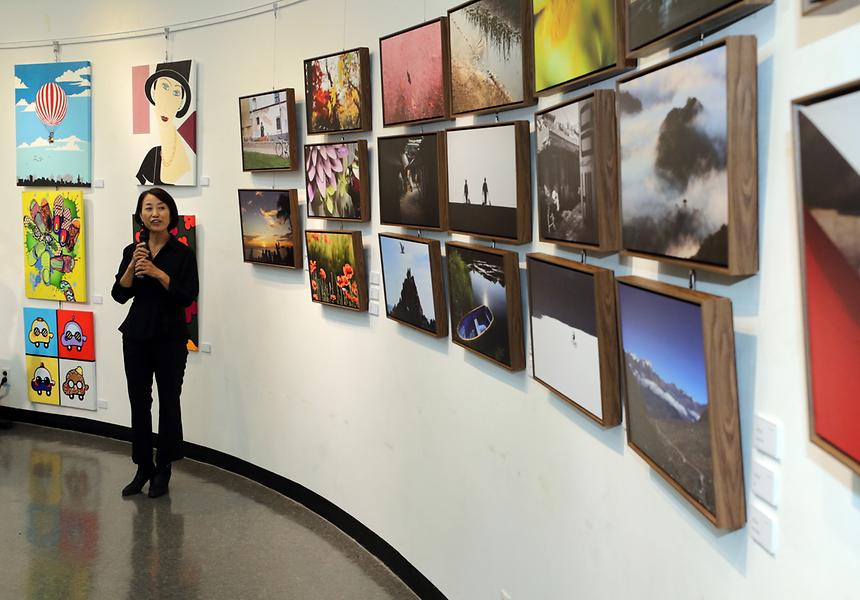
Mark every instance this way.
x=667 y=388
x=673 y=129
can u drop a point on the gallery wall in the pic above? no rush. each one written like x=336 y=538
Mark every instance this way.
x=481 y=478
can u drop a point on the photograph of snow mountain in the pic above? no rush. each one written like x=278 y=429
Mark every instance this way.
x=565 y=350
x=667 y=390
x=673 y=132
x=407 y=274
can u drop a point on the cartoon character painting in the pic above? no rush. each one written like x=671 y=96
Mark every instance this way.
x=75 y=384
x=40 y=333
x=73 y=336
x=42 y=381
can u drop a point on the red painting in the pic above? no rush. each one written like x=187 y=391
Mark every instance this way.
x=77 y=339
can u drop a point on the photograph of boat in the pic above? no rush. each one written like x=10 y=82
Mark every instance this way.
x=475 y=323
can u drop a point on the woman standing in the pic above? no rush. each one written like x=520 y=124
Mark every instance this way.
x=160 y=273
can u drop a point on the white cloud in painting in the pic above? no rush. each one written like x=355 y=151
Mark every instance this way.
x=39 y=142
x=19 y=85
x=85 y=92
x=22 y=102
x=75 y=77
x=70 y=147
x=269 y=216
x=28 y=106
x=68 y=140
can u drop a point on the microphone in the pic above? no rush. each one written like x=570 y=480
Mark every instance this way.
x=144 y=238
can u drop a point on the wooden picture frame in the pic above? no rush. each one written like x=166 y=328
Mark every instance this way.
x=330 y=281
x=707 y=362
x=278 y=146
x=294 y=262
x=827 y=201
x=445 y=112
x=507 y=342
x=598 y=310
x=513 y=228
x=596 y=162
x=528 y=98
x=739 y=243
x=622 y=62
x=710 y=21
x=313 y=187
x=823 y=7
x=388 y=186
x=438 y=327
x=365 y=114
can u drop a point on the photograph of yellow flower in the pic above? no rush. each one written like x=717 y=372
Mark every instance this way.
x=337 y=92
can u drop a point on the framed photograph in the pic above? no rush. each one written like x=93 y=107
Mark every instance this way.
x=827 y=157
x=413 y=188
x=336 y=268
x=681 y=393
x=577 y=173
x=574 y=337
x=268 y=123
x=654 y=25
x=486 y=307
x=823 y=7
x=337 y=184
x=489 y=181
x=577 y=43
x=337 y=92
x=490 y=45
x=412 y=278
x=270 y=227
x=415 y=77
x=689 y=164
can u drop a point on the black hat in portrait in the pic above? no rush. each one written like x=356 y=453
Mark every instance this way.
x=180 y=71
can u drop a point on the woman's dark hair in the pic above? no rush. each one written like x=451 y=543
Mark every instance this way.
x=164 y=197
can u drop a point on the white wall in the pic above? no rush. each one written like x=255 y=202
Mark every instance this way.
x=481 y=478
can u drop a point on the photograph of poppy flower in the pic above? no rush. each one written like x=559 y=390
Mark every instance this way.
x=480 y=285
x=487 y=43
x=572 y=39
x=827 y=139
x=674 y=180
x=336 y=179
x=337 y=94
x=270 y=227
x=667 y=388
x=410 y=193
x=650 y=20
x=412 y=279
x=413 y=68
x=336 y=269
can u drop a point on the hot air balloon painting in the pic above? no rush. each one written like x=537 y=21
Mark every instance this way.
x=54 y=248
x=164 y=111
x=53 y=122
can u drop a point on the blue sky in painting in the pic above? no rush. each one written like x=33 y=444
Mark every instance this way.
x=416 y=257
x=668 y=333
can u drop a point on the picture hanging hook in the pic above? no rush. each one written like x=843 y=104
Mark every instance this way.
x=419 y=233
x=56 y=51
x=692 y=279
x=275 y=7
x=584 y=256
x=166 y=42
x=494 y=243
x=497 y=117
x=341 y=225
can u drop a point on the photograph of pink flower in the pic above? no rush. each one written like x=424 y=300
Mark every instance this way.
x=414 y=77
x=336 y=179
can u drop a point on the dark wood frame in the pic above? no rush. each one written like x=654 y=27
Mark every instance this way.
x=364 y=91
x=623 y=63
x=694 y=30
x=607 y=338
x=719 y=350
x=446 y=74
x=825 y=7
x=513 y=298
x=741 y=161
x=291 y=124
x=827 y=94
x=294 y=223
x=359 y=269
x=606 y=172
x=434 y=249
x=524 y=186
x=529 y=97
x=364 y=183
x=441 y=185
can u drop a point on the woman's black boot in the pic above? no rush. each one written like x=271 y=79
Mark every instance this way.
x=144 y=474
x=159 y=482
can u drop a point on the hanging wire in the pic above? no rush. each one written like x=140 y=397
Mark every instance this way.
x=166 y=43
x=274 y=44
x=56 y=51
x=344 y=24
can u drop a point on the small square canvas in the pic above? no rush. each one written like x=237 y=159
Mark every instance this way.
x=412 y=278
x=40 y=331
x=76 y=335
x=337 y=92
x=42 y=377
x=414 y=74
x=336 y=269
x=55 y=266
x=336 y=181
x=77 y=383
x=268 y=125
x=270 y=227
x=53 y=124
x=412 y=184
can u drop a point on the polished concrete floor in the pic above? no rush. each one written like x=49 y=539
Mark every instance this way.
x=66 y=533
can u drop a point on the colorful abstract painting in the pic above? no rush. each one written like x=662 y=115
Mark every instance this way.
x=54 y=246
x=336 y=91
x=53 y=124
x=185 y=232
x=164 y=121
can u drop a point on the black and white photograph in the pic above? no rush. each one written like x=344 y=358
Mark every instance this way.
x=409 y=181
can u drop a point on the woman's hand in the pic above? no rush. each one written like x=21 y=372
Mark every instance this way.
x=146 y=267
